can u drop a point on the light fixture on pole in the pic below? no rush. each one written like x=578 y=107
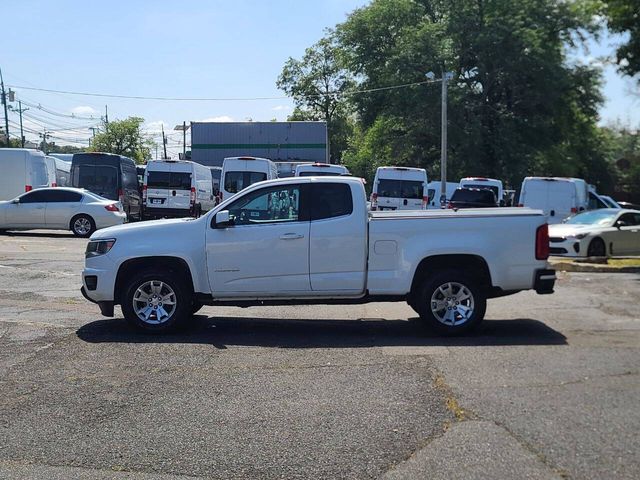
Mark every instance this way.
x=446 y=76
x=184 y=127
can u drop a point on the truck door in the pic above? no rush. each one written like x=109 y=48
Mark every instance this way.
x=338 y=239
x=265 y=252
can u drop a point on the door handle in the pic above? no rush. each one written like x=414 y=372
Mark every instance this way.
x=291 y=236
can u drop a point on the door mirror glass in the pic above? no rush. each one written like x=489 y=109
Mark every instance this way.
x=621 y=223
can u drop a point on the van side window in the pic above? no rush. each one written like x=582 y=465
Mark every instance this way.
x=268 y=205
x=330 y=200
x=129 y=176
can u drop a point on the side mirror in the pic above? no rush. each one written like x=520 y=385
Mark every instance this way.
x=620 y=224
x=223 y=219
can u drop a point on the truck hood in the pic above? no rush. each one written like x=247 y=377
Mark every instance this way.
x=141 y=229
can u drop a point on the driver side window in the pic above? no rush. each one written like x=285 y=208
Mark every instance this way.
x=630 y=219
x=270 y=205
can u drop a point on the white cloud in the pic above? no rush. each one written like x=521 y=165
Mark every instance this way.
x=222 y=118
x=83 y=110
x=156 y=127
x=278 y=108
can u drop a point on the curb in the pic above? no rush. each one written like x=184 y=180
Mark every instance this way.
x=592 y=267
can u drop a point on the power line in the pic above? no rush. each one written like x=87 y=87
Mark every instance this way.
x=235 y=99
x=39 y=106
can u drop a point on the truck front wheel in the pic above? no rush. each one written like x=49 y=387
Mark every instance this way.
x=451 y=302
x=156 y=302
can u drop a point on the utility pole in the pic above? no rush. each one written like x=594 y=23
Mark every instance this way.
x=20 y=110
x=44 y=137
x=446 y=76
x=6 y=115
x=184 y=140
x=106 y=115
x=164 y=142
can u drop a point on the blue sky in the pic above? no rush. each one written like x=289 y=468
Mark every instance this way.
x=207 y=49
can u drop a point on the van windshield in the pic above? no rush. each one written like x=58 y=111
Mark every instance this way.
x=236 y=181
x=172 y=180
x=100 y=179
x=400 y=189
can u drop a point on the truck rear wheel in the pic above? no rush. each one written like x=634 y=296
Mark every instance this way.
x=157 y=302
x=450 y=302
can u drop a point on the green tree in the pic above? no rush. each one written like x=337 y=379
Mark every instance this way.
x=624 y=17
x=317 y=84
x=123 y=137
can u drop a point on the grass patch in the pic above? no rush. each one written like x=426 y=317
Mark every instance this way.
x=624 y=262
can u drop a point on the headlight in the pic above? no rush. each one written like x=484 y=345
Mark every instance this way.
x=96 y=248
x=578 y=236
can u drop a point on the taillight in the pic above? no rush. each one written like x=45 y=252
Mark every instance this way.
x=449 y=205
x=120 y=195
x=542 y=242
x=520 y=205
x=144 y=193
x=193 y=195
x=112 y=208
x=54 y=184
x=574 y=210
x=425 y=201
x=28 y=188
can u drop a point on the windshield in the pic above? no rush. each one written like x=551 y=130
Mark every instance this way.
x=484 y=196
x=319 y=174
x=100 y=179
x=236 y=181
x=493 y=188
x=174 y=180
x=399 y=189
x=593 y=218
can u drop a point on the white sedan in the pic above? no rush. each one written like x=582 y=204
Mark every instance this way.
x=597 y=233
x=73 y=209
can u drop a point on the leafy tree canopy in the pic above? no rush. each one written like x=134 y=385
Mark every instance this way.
x=123 y=137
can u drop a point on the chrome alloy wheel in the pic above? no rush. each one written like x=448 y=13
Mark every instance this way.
x=154 y=302
x=82 y=226
x=452 y=304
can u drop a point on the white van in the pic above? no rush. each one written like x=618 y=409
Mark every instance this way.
x=485 y=183
x=400 y=188
x=320 y=170
x=22 y=170
x=176 y=188
x=240 y=172
x=557 y=197
x=433 y=192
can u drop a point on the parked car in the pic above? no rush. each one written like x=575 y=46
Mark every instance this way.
x=557 y=197
x=629 y=205
x=176 y=188
x=109 y=176
x=60 y=208
x=473 y=198
x=597 y=233
x=485 y=183
x=433 y=193
x=240 y=172
x=310 y=240
x=320 y=170
x=21 y=170
x=400 y=188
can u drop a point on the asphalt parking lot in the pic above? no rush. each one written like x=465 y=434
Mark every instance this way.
x=549 y=387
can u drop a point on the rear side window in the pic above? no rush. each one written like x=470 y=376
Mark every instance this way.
x=60 y=196
x=172 y=180
x=493 y=188
x=330 y=200
x=400 y=188
x=236 y=181
x=102 y=179
x=129 y=175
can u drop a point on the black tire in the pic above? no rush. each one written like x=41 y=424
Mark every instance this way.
x=82 y=225
x=460 y=285
x=195 y=307
x=177 y=318
x=597 y=248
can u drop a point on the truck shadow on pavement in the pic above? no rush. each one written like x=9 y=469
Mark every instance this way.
x=222 y=332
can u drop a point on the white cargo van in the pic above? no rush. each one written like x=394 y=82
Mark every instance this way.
x=320 y=170
x=433 y=192
x=176 y=188
x=557 y=197
x=400 y=188
x=240 y=172
x=22 y=170
x=485 y=183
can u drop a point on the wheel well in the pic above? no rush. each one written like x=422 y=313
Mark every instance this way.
x=471 y=264
x=129 y=268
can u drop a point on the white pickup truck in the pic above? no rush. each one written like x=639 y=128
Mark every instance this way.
x=311 y=240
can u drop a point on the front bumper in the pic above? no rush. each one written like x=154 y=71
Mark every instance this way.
x=566 y=247
x=106 y=308
x=544 y=281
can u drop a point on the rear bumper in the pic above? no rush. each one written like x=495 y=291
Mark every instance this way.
x=157 y=212
x=544 y=281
